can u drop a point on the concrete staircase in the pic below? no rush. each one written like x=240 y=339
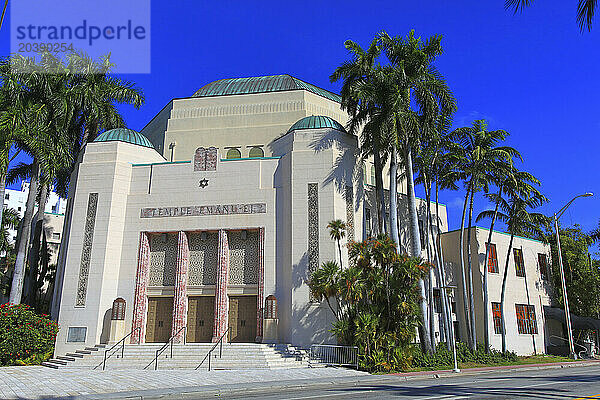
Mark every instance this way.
x=185 y=356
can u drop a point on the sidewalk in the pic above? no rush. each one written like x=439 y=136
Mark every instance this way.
x=44 y=383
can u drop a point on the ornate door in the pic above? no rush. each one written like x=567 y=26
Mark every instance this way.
x=160 y=319
x=242 y=318
x=201 y=316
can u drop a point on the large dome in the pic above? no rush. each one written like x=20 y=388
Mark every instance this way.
x=261 y=84
x=124 y=135
x=317 y=122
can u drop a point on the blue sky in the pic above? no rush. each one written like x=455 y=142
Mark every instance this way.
x=531 y=74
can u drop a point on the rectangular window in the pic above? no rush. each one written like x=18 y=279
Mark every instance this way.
x=544 y=270
x=519 y=264
x=437 y=301
x=76 y=334
x=422 y=234
x=526 y=321
x=368 y=222
x=453 y=307
x=492 y=258
x=497 y=314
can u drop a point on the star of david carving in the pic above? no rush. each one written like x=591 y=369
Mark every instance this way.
x=204 y=183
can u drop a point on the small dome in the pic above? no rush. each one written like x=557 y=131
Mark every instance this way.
x=124 y=135
x=317 y=122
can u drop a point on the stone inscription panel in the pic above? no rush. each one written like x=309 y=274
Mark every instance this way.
x=192 y=211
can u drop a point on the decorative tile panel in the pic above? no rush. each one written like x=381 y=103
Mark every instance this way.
x=205 y=159
x=163 y=259
x=260 y=298
x=180 y=300
x=140 y=303
x=86 y=251
x=313 y=227
x=200 y=159
x=243 y=258
x=203 y=259
x=349 y=213
x=221 y=299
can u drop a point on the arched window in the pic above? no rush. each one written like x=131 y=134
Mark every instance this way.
x=271 y=307
x=233 y=153
x=118 y=309
x=256 y=152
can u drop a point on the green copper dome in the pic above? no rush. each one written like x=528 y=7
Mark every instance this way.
x=261 y=84
x=317 y=122
x=124 y=135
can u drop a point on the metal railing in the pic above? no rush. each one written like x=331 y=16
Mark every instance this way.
x=120 y=342
x=584 y=351
x=208 y=355
x=333 y=355
x=168 y=344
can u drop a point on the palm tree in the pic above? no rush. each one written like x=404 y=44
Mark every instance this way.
x=411 y=79
x=337 y=231
x=519 y=221
x=585 y=11
x=357 y=75
x=323 y=284
x=513 y=183
x=10 y=220
x=481 y=162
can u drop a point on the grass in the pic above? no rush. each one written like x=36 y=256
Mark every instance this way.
x=523 y=360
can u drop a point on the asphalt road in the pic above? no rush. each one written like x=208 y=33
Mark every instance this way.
x=563 y=383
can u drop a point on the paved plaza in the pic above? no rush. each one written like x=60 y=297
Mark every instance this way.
x=46 y=383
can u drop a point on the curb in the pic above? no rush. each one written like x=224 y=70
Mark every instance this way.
x=214 y=391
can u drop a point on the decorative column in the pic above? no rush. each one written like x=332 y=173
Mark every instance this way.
x=180 y=300
x=260 y=298
x=140 y=304
x=221 y=299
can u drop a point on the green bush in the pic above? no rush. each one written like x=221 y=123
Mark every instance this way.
x=26 y=338
x=443 y=358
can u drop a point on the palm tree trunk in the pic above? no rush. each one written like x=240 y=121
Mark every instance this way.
x=16 y=289
x=381 y=223
x=394 y=197
x=486 y=299
x=440 y=257
x=431 y=269
x=340 y=251
x=415 y=248
x=470 y=265
x=38 y=227
x=503 y=293
x=462 y=267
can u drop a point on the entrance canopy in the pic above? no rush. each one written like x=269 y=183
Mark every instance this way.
x=577 y=322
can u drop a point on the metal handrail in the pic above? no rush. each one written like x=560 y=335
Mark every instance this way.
x=220 y=341
x=122 y=342
x=585 y=350
x=169 y=342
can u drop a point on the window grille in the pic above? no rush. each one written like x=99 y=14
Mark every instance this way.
x=118 y=309
x=519 y=264
x=492 y=258
x=544 y=270
x=526 y=321
x=271 y=307
x=497 y=315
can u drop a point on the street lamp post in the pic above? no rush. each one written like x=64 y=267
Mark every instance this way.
x=562 y=275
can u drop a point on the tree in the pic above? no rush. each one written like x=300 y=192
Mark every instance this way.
x=512 y=183
x=582 y=272
x=585 y=11
x=482 y=164
x=377 y=298
x=358 y=100
x=10 y=220
x=515 y=213
x=337 y=231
